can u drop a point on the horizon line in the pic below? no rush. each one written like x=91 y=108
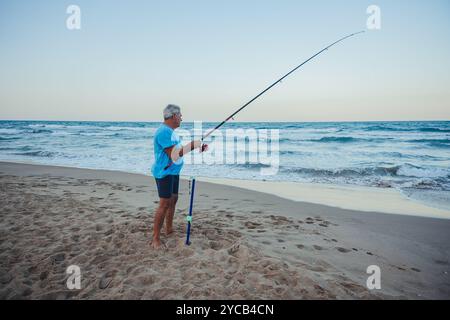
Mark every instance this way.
x=218 y=121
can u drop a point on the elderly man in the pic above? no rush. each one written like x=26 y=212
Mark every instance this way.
x=166 y=169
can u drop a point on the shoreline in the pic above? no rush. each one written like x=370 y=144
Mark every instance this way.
x=359 y=198
x=245 y=244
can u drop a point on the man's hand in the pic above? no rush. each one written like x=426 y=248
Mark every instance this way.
x=199 y=144
x=174 y=154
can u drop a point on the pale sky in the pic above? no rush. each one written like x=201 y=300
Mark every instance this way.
x=131 y=58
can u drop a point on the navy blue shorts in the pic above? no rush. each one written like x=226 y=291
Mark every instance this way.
x=168 y=186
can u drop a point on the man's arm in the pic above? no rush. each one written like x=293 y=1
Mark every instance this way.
x=174 y=154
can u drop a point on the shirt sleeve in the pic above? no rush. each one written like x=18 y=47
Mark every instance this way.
x=164 y=139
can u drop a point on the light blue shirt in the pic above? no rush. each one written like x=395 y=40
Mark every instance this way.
x=165 y=137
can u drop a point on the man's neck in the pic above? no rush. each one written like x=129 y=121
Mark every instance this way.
x=169 y=124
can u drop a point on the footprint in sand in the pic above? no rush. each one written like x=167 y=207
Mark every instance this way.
x=106 y=280
x=317 y=247
x=415 y=269
x=43 y=275
x=251 y=225
x=215 y=245
x=300 y=246
x=26 y=292
x=6 y=279
x=325 y=224
x=343 y=250
x=58 y=258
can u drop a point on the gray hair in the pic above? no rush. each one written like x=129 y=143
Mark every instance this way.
x=171 y=110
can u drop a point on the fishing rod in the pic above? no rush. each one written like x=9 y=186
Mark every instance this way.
x=189 y=216
x=275 y=83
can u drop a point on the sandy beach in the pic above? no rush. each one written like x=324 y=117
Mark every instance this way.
x=245 y=244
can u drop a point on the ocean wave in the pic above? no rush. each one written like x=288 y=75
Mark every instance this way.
x=440 y=145
x=250 y=165
x=34 y=131
x=138 y=129
x=42 y=154
x=345 y=172
x=337 y=139
x=351 y=139
x=383 y=128
x=289 y=152
x=409 y=170
x=292 y=140
x=9 y=131
x=23 y=148
x=9 y=138
x=124 y=134
x=393 y=154
x=98 y=134
x=434 y=130
x=52 y=126
x=403 y=129
x=426 y=184
x=431 y=141
x=435 y=143
x=404 y=170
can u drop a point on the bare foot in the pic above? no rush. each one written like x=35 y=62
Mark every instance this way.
x=158 y=245
x=170 y=232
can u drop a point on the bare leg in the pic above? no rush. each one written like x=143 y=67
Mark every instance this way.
x=171 y=213
x=159 y=221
